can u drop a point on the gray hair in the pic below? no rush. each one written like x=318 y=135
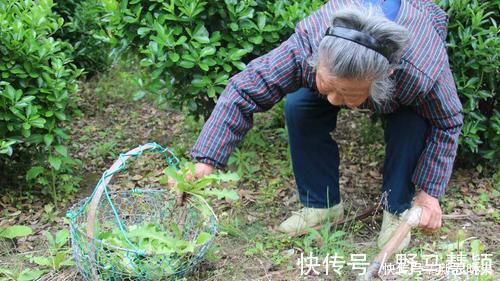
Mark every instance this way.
x=347 y=59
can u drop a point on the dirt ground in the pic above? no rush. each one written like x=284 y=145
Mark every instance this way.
x=248 y=247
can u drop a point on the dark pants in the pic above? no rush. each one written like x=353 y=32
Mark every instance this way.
x=315 y=155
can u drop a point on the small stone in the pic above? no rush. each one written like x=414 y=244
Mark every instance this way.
x=251 y=218
x=288 y=253
x=137 y=177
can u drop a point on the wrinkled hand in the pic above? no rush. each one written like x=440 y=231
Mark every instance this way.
x=431 y=211
x=200 y=170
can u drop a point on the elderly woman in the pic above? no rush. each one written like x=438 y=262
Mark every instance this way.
x=389 y=57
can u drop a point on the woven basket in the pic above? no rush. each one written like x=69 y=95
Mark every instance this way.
x=120 y=212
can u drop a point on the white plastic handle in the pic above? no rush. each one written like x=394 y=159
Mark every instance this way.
x=100 y=188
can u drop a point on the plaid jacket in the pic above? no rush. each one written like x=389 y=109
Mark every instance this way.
x=424 y=82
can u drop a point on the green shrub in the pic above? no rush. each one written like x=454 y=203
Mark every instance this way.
x=192 y=47
x=83 y=30
x=473 y=48
x=37 y=81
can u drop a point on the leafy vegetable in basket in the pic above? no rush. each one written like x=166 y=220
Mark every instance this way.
x=151 y=239
x=163 y=251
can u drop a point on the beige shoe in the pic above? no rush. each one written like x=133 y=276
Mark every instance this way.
x=389 y=224
x=298 y=223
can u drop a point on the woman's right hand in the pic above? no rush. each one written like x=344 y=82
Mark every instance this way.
x=200 y=170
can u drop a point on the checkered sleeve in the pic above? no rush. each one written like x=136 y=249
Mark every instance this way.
x=442 y=107
x=262 y=84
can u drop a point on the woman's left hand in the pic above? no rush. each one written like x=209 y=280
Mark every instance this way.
x=431 y=211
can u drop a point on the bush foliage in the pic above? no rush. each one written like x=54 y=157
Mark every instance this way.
x=84 y=30
x=37 y=81
x=473 y=48
x=37 y=77
x=192 y=47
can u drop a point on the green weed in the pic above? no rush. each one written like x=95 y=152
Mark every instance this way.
x=58 y=256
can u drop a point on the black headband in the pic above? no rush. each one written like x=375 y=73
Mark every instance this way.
x=360 y=38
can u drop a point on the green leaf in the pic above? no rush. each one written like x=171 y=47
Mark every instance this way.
x=163 y=180
x=240 y=65
x=139 y=95
x=175 y=229
x=34 y=172
x=256 y=39
x=6 y=150
x=174 y=56
x=198 y=83
x=202 y=183
x=201 y=34
x=5 y=271
x=227 y=67
x=209 y=61
x=59 y=132
x=143 y=30
x=225 y=177
x=237 y=54
x=27 y=99
x=186 y=64
x=261 y=21
x=30 y=274
x=14 y=231
x=189 y=57
x=67 y=261
x=43 y=261
x=207 y=51
x=203 y=238
x=48 y=139
x=172 y=173
x=55 y=162
x=62 y=237
x=6 y=147
x=203 y=66
x=476 y=247
x=62 y=150
x=50 y=239
x=38 y=122
x=211 y=92
x=181 y=40
x=60 y=115
x=146 y=62
x=233 y=26
x=10 y=92
x=216 y=36
x=222 y=193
